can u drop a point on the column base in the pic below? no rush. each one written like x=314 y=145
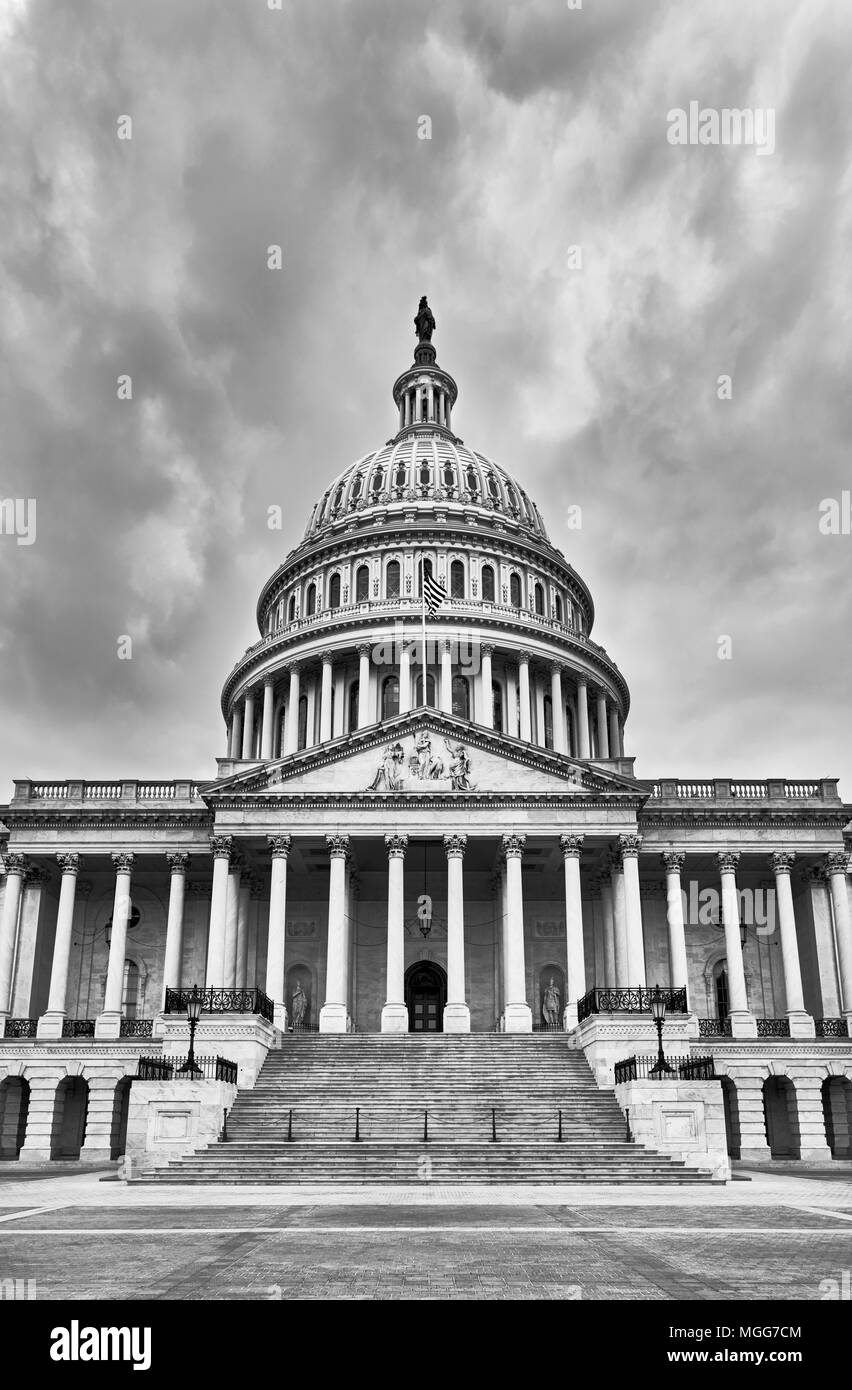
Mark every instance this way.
x=801 y=1024
x=98 y=1153
x=36 y=1154
x=332 y=1018
x=395 y=1018
x=279 y=1016
x=50 y=1026
x=108 y=1025
x=818 y=1154
x=518 y=1018
x=743 y=1024
x=758 y=1153
x=456 y=1018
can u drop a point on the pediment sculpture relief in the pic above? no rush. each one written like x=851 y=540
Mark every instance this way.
x=442 y=767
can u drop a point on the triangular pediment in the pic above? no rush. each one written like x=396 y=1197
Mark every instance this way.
x=424 y=752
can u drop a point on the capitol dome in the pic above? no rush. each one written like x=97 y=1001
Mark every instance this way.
x=425 y=503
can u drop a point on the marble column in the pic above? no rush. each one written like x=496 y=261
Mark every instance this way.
x=619 y=915
x=801 y=1023
x=292 y=730
x=404 y=676
x=108 y=1023
x=240 y=979
x=743 y=1023
x=456 y=1010
x=486 y=699
x=575 y=985
x=629 y=845
x=248 y=727
x=277 y=931
x=236 y=745
x=615 y=748
x=220 y=847
x=560 y=732
x=266 y=727
x=609 y=972
x=518 y=1012
x=395 y=1012
x=585 y=747
x=16 y=868
x=232 y=912
x=333 y=1011
x=24 y=969
x=673 y=861
x=50 y=1023
x=349 y=940
x=603 y=732
x=364 y=717
x=339 y=703
x=174 y=924
x=524 y=689
x=836 y=864
x=325 y=697
x=511 y=704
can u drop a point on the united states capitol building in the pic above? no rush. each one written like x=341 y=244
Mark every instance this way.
x=390 y=848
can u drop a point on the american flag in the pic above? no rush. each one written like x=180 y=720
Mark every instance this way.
x=433 y=593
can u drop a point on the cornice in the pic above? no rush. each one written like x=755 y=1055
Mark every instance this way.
x=51 y=819
x=445 y=801
x=699 y=818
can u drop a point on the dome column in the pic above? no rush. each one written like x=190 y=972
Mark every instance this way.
x=603 y=733
x=248 y=727
x=583 y=719
x=395 y=1012
x=524 y=691
x=236 y=745
x=266 y=727
x=615 y=746
x=446 y=677
x=325 y=697
x=364 y=685
x=486 y=701
x=560 y=733
x=404 y=677
x=333 y=1011
x=292 y=731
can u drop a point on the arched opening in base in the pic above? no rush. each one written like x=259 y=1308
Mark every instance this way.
x=425 y=997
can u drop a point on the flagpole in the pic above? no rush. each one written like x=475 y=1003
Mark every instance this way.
x=423 y=630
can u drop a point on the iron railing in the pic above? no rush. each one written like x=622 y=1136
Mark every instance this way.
x=303 y=1027
x=681 y=1069
x=629 y=1000
x=832 y=1028
x=168 y=1069
x=78 y=1027
x=136 y=1028
x=20 y=1028
x=773 y=1027
x=222 y=1001
x=543 y=1027
x=714 y=1028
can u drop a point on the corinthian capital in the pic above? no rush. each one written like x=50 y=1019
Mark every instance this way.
x=629 y=846
x=836 y=861
x=571 y=845
x=396 y=846
x=513 y=846
x=70 y=863
x=455 y=846
x=338 y=846
x=220 y=846
x=782 y=861
x=15 y=863
x=673 y=860
x=279 y=845
x=177 y=862
x=123 y=862
x=727 y=861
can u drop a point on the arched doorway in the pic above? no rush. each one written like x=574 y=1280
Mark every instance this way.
x=14 y=1107
x=781 y=1116
x=732 y=1116
x=69 y=1117
x=425 y=997
x=837 y=1113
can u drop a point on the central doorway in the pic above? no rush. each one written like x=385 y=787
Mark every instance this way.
x=425 y=997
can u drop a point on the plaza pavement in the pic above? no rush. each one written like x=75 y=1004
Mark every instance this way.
x=777 y=1236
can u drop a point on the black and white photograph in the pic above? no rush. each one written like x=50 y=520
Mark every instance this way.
x=426 y=574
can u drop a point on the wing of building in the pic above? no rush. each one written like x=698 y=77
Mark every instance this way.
x=469 y=853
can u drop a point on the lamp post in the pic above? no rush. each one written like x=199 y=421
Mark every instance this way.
x=193 y=1011
x=658 y=1010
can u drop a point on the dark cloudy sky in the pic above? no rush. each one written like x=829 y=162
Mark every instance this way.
x=595 y=387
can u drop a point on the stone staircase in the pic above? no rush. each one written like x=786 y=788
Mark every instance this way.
x=457 y=1081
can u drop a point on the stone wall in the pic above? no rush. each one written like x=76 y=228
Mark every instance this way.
x=683 y=1118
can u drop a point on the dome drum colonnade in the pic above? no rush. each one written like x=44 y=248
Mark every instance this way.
x=510 y=647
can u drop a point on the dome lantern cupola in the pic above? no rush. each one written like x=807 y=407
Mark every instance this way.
x=425 y=394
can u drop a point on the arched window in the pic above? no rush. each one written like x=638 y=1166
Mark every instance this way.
x=311 y=601
x=291 y=609
x=488 y=583
x=493 y=488
x=362 y=584
x=497 y=706
x=548 y=722
x=430 y=691
x=539 y=600
x=130 y=989
x=449 y=476
x=334 y=592
x=457 y=579
x=720 y=982
x=461 y=697
x=378 y=481
x=512 y=499
x=353 y=707
x=357 y=484
x=515 y=590
x=390 y=697
x=472 y=481
x=303 y=721
x=401 y=475
x=392 y=580
x=338 y=497
x=557 y=604
x=425 y=475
